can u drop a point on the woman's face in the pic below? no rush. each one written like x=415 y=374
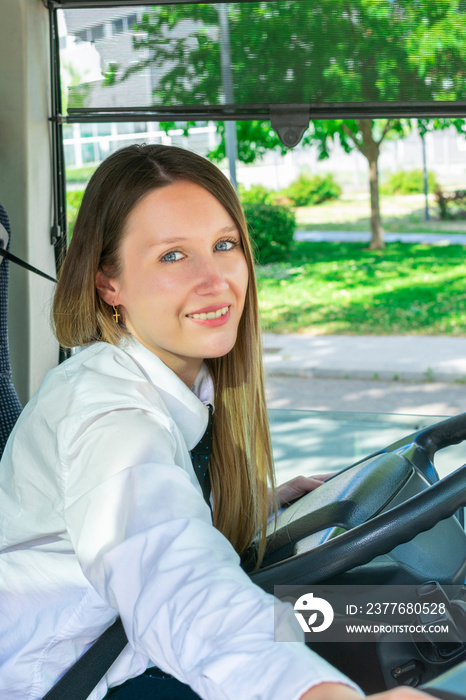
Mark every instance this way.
x=184 y=277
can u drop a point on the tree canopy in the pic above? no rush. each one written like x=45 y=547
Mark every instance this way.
x=307 y=52
x=304 y=51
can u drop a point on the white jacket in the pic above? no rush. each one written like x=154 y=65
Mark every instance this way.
x=101 y=514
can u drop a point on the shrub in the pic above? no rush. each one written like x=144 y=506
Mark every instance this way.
x=73 y=202
x=80 y=174
x=272 y=228
x=307 y=191
x=408 y=182
x=257 y=194
x=452 y=205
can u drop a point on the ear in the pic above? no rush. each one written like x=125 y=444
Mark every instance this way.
x=106 y=288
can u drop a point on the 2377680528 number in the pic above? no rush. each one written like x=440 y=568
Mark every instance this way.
x=400 y=608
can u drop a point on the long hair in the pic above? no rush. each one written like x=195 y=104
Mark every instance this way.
x=241 y=465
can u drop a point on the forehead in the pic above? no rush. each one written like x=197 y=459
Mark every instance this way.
x=181 y=208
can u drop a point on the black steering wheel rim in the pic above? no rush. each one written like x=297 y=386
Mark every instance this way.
x=382 y=533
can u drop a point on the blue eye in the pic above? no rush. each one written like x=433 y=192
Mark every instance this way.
x=226 y=245
x=172 y=256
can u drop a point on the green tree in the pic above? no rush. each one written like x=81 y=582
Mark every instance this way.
x=295 y=52
x=75 y=87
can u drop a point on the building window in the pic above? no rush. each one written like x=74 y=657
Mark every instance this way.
x=88 y=153
x=139 y=127
x=104 y=129
x=87 y=130
x=131 y=20
x=82 y=35
x=97 y=32
x=124 y=128
x=117 y=26
x=70 y=155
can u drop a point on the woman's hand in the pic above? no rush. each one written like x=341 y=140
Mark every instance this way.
x=295 y=488
x=338 y=691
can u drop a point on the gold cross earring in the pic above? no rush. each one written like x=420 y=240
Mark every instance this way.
x=116 y=315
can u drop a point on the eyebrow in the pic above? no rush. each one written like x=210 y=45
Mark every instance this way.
x=179 y=239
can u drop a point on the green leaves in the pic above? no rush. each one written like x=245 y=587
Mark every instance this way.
x=272 y=228
x=300 y=52
x=254 y=139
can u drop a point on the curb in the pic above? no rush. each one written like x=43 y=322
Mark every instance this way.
x=427 y=376
x=387 y=358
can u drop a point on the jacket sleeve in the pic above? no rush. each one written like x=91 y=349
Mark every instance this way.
x=145 y=541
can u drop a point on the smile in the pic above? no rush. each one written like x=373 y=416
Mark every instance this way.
x=210 y=315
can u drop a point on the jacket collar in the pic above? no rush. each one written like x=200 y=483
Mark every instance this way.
x=189 y=412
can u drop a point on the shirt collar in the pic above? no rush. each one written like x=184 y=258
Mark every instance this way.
x=203 y=386
x=186 y=406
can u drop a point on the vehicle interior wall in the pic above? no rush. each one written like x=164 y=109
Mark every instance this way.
x=25 y=185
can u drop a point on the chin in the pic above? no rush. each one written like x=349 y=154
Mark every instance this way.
x=218 y=349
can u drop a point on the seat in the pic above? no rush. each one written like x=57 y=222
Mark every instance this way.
x=10 y=406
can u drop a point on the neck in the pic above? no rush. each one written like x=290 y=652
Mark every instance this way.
x=188 y=375
x=186 y=368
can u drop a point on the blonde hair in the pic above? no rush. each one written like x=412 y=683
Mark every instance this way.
x=241 y=464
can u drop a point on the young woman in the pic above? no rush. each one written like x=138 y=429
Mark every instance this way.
x=101 y=510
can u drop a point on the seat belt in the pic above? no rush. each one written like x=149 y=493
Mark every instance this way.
x=9 y=256
x=81 y=679
x=5 y=237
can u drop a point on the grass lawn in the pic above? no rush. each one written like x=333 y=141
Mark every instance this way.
x=400 y=214
x=336 y=288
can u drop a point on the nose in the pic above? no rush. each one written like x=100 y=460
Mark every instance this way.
x=211 y=277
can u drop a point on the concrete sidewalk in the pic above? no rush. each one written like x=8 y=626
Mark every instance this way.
x=421 y=358
x=365 y=237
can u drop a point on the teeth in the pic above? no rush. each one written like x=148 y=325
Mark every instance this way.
x=210 y=315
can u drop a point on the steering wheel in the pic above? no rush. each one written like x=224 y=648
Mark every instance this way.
x=356 y=500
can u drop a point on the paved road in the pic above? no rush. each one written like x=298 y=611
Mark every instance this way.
x=356 y=237
x=326 y=443
x=415 y=357
x=326 y=394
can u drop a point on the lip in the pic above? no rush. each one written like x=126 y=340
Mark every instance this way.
x=207 y=309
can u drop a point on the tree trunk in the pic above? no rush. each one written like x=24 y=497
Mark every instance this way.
x=377 y=232
x=371 y=150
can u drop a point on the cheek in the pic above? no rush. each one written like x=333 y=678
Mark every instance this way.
x=242 y=277
x=146 y=287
